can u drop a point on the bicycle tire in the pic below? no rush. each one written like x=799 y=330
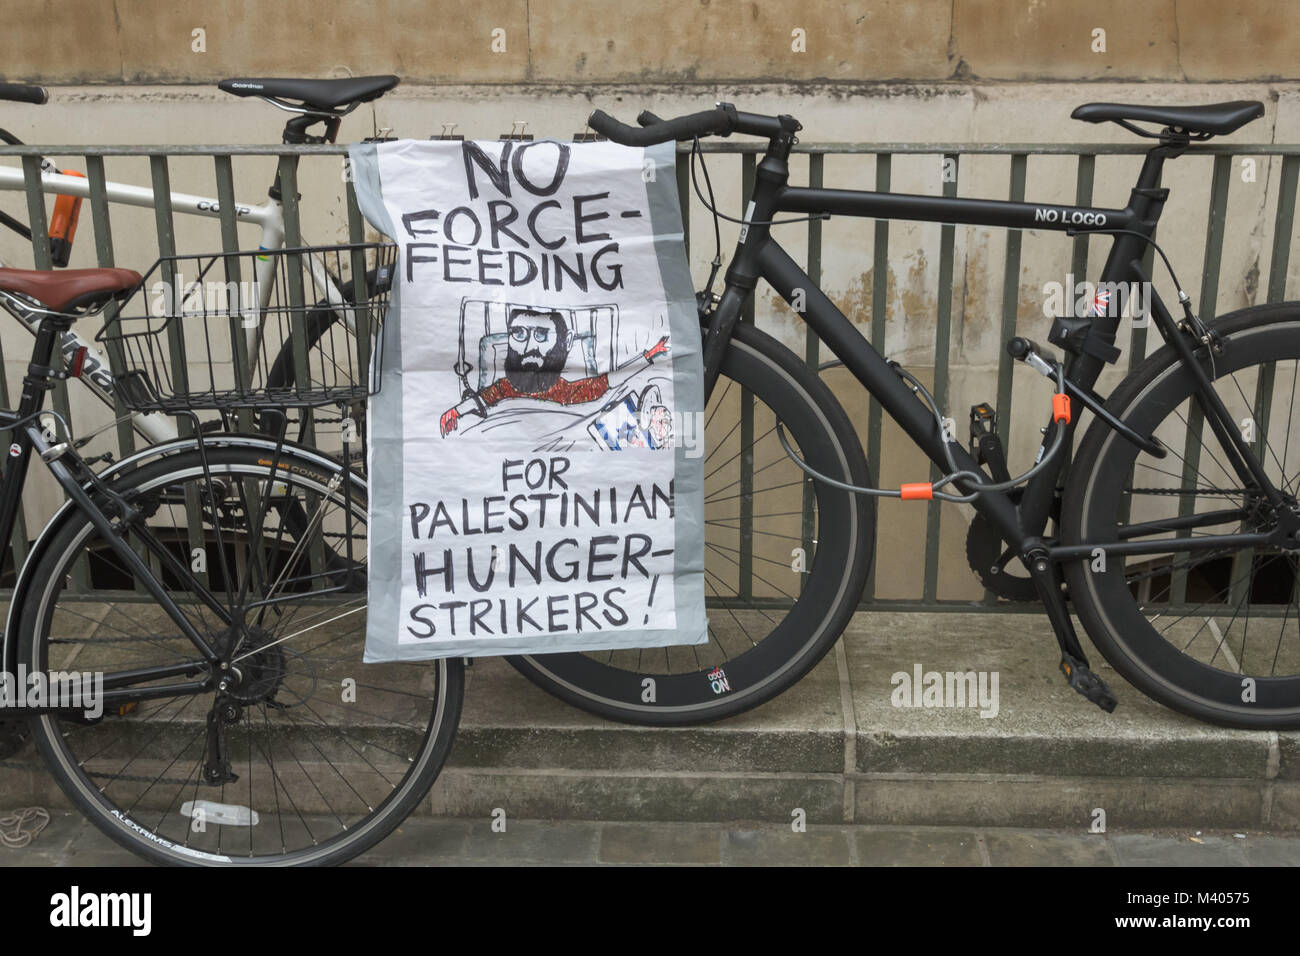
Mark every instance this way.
x=1203 y=678
x=393 y=780
x=818 y=426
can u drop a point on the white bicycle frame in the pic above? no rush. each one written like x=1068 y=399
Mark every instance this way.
x=156 y=428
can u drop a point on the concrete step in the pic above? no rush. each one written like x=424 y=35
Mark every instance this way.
x=836 y=749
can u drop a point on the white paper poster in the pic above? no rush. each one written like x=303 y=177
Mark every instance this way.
x=536 y=451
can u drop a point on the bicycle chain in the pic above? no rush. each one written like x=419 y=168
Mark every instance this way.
x=1187 y=491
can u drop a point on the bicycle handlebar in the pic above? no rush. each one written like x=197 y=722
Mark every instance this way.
x=23 y=93
x=705 y=123
x=723 y=120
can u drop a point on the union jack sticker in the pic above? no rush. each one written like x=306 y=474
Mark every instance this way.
x=1101 y=302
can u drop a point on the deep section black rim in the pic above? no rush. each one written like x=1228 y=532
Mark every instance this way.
x=1181 y=656
x=792 y=619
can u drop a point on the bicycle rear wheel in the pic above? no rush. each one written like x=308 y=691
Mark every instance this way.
x=311 y=756
x=786 y=559
x=1215 y=632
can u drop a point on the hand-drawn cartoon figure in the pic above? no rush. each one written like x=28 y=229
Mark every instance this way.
x=538 y=343
x=636 y=420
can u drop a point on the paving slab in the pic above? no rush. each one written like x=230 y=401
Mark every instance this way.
x=931 y=846
x=784 y=847
x=1140 y=849
x=1047 y=848
x=1262 y=850
x=528 y=841
x=660 y=844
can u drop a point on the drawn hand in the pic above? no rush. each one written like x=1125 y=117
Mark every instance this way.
x=449 y=419
x=659 y=348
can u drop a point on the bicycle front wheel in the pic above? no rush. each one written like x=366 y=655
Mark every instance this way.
x=1212 y=632
x=309 y=756
x=786 y=558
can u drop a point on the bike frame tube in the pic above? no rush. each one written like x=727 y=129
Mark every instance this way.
x=155 y=428
x=11 y=178
x=758 y=255
x=959 y=210
x=81 y=498
x=28 y=438
x=271 y=447
x=268 y=215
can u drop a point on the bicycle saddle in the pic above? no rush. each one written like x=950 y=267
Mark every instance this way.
x=1211 y=120
x=71 y=290
x=324 y=94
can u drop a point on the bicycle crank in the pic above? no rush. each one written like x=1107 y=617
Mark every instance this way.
x=996 y=563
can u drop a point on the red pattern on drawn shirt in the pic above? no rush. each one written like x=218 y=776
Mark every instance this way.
x=562 y=392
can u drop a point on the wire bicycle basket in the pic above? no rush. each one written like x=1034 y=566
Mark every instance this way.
x=258 y=329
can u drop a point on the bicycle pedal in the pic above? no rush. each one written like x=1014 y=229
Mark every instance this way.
x=985 y=445
x=1083 y=680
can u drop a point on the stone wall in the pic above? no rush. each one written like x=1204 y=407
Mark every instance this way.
x=654 y=41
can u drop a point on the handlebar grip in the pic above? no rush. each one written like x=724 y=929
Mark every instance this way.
x=646 y=118
x=23 y=93
x=706 y=123
x=1020 y=346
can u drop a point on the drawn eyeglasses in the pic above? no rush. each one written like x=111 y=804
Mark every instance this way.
x=521 y=333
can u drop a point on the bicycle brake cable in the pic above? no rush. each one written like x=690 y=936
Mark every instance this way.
x=1205 y=335
x=712 y=206
x=697 y=151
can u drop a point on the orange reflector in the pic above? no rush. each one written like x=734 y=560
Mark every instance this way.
x=917 y=491
x=1061 y=408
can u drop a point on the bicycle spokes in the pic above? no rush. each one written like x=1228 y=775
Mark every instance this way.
x=1232 y=607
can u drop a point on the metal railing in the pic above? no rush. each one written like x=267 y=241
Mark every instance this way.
x=883 y=154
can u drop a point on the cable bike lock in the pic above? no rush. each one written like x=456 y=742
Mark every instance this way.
x=916 y=491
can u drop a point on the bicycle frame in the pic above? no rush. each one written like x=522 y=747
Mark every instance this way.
x=109 y=513
x=268 y=216
x=759 y=255
x=28 y=437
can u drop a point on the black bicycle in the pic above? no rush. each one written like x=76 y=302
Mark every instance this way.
x=195 y=613
x=1173 y=532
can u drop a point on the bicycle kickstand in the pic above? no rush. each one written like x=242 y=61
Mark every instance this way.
x=1074 y=663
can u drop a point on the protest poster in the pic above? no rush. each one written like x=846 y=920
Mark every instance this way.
x=536 y=453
